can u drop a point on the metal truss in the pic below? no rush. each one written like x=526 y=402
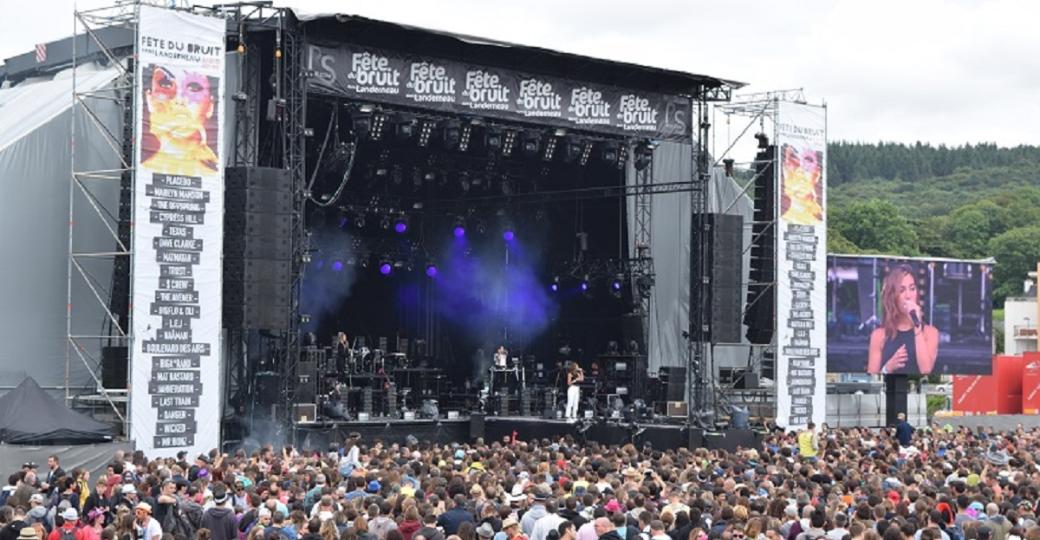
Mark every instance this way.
x=643 y=274
x=90 y=203
x=700 y=371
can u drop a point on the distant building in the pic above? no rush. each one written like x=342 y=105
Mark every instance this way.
x=1020 y=320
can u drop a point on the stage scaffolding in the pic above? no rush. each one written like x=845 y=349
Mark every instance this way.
x=90 y=198
x=747 y=112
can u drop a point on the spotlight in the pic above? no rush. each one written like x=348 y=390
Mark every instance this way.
x=550 y=148
x=763 y=140
x=531 y=144
x=337 y=266
x=609 y=153
x=493 y=140
x=481 y=227
x=404 y=127
x=464 y=136
x=401 y=225
x=378 y=122
x=459 y=231
x=431 y=270
x=572 y=150
x=555 y=285
x=622 y=156
x=452 y=134
x=644 y=155
x=359 y=222
x=586 y=153
x=385 y=268
x=584 y=283
x=616 y=285
x=508 y=235
x=384 y=223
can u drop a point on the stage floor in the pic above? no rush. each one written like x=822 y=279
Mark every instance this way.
x=319 y=435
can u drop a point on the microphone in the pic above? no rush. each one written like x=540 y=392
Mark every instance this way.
x=913 y=317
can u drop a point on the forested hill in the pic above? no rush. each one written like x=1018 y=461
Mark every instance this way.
x=972 y=201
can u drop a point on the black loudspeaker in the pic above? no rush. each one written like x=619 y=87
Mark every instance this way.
x=476 y=426
x=306 y=381
x=675 y=383
x=725 y=234
x=896 y=389
x=258 y=248
x=114 y=361
x=760 y=315
x=268 y=388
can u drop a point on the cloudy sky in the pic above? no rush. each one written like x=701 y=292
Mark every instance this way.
x=937 y=71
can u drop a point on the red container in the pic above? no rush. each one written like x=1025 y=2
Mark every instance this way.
x=1031 y=384
x=999 y=393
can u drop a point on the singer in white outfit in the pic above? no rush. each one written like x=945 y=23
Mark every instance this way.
x=574 y=376
x=904 y=343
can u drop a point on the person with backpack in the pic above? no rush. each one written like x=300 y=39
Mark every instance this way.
x=68 y=530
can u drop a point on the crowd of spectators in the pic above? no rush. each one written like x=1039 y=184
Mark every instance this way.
x=841 y=484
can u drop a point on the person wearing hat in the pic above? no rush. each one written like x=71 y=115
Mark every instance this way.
x=220 y=518
x=536 y=512
x=70 y=529
x=485 y=532
x=512 y=530
x=145 y=526
x=28 y=533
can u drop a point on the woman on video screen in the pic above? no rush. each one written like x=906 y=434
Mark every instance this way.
x=903 y=342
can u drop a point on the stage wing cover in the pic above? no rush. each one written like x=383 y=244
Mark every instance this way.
x=29 y=416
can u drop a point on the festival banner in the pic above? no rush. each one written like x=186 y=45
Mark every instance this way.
x=175 y=401
x=377 y=75
x=801 y=273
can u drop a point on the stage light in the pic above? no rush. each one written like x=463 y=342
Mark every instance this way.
x=464 y=137
x=622 y=156
x=508 y=235
x=493 y=140
x=584 y=283
x=609 y=153
x=404 y=127
x=401 y=225
x=508 y=143
x=359 y=222
x=616 y=285
x=425 y=131
x=337 y=266
x=385 y=268
x=459 y=231
x=550 y=148
x=481 y=227
x=644 y=155
x=384 y=223
x=572 y=149
x=555 y=285
x=763 y=140
x=378 y=122
x=431 y=270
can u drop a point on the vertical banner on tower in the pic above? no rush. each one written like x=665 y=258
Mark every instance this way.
x=178 y=233
x=801 y=280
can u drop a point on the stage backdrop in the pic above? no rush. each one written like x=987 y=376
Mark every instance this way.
x=801 y=137
x=178 y=234
x=951 y=299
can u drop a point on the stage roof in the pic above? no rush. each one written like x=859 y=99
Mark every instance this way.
x=405 y=38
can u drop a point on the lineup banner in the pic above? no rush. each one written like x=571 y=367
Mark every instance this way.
x=371 y=74
x=801 y=276
x=178 y=234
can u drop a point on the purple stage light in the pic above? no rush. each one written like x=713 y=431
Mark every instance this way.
x=554 y=287
x=401 y=227
x=584 y=285
x=337 y=266
x=616 y=285
x=385 y=269
x=459 y=231
x=508 y=235
x=431 y=270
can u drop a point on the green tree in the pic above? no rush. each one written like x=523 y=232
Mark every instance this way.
x=876 y=226
x=968 y=231
x=837 y=243
x=1017 y=252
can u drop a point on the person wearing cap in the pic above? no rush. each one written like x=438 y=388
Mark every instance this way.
x=70 y=529
x=145 y=526
x=536 y=512
x=220 y=518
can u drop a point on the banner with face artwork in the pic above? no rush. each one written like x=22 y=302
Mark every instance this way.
x=801 y=255
x=178 y=233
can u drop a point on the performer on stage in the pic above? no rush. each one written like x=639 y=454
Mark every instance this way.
x=342 y=352
x=575 y=375
x=501 y=357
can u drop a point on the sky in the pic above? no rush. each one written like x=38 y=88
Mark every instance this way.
x=934 y=71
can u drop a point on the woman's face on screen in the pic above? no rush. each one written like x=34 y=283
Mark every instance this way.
x=907 y=292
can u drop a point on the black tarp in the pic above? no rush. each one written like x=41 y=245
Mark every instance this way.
x=29 y=416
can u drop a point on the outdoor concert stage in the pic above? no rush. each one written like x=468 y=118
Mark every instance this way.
x=500 y=428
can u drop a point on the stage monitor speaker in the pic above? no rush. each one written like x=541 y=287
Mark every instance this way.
x=677 y=409
x=305 y=412
x=476 y=426
x=306 y=381
x=114 y=361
